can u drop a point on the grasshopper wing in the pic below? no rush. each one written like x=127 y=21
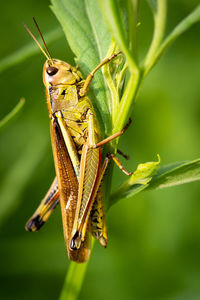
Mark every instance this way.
x=68 y=192
x=89 y=173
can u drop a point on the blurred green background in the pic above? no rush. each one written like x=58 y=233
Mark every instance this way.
x=154 y=239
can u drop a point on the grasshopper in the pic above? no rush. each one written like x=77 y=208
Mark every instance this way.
x=77 y=148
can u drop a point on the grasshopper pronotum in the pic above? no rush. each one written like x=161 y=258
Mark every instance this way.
x=76 y=143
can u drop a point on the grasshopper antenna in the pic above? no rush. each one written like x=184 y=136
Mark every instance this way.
x=48 y=56
x=36 y=24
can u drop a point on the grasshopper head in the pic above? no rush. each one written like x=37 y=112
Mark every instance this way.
x=55 y=72
x=58 y=72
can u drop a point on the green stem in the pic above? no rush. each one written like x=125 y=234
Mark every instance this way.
x=127 y=101
x=73 y=281
x=159 y=28
x=184 y=25
x=133 y=19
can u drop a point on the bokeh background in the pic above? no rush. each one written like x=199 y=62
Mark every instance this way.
x=154 y=238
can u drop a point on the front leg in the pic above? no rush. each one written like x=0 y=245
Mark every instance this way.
x=89 y=78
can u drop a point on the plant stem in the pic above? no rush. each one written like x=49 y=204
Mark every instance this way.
x=184 y=25
x=133 y=19
x=73 y=281
x=159 y=28
x=126 y=104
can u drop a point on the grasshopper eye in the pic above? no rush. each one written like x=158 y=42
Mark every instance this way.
x=52 y=71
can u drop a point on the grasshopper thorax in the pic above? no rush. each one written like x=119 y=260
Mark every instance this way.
x=58 y=72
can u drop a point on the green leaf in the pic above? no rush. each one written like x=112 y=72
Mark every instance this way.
x=176 y=175
x=184 y=25
x=11 y=115
x=137 y=182
x=89 y=39
x=167 y=176
x=144 y=173
x=28 y=50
